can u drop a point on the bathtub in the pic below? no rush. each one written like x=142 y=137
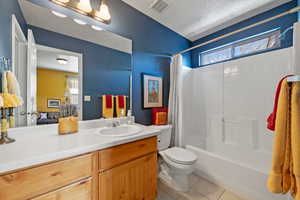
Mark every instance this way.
x=225 y=107
x=243 y=180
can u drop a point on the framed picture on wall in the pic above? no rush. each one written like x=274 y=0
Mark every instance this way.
x=53 y=103
x=152 y=91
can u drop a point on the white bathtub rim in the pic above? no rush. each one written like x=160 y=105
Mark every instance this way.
x=193 y=148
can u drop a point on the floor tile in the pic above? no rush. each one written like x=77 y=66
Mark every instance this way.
x=172 y=193
x=201 y=189
x=229 y=196
x=162 y=195
x=206 y=188
x=192 y=195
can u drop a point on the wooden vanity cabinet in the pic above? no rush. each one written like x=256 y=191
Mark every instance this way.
x=127 y=172
x=81 y=190
x=31 y=182
x=133 y=180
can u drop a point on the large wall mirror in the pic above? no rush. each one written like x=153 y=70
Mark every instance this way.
x=58 y=62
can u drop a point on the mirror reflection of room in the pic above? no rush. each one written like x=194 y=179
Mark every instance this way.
x=57 y=84
x=54 y=54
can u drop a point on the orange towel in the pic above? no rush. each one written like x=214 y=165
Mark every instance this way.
x=107 y=107
x=121 y=106
x=285 y=172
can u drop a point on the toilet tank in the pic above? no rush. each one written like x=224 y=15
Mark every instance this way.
x=164 y=138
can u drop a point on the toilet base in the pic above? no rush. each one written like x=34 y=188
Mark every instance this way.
x=177 y=182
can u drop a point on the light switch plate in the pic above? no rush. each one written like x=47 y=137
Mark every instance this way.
x=87 y=98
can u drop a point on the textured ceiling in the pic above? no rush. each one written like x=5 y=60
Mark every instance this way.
x=197 y=18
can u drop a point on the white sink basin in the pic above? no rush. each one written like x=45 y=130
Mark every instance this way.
x=120 y=131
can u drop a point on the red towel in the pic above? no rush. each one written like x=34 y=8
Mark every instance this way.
x=121 y=101
x=108 y=101
x=272 y=117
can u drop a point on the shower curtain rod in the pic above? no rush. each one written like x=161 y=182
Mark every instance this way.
x=291 y=11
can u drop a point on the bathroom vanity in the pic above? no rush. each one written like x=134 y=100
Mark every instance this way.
x=88 y=167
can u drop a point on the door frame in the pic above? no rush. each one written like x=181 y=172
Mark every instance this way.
x=17 y=36
x=16 y=33
x=80 y=70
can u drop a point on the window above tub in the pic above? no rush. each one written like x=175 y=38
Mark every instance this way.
x=247 y=46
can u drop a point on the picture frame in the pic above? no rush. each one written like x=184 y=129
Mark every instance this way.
x=54 y=103
x=152 y=91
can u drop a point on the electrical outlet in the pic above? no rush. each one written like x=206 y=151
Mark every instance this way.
x=87 y=98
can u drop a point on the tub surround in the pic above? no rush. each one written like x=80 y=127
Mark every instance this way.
x=42 y=144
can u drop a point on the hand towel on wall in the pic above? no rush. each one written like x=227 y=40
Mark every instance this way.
x=121 y=106
x=107 y=106
x=285 y=172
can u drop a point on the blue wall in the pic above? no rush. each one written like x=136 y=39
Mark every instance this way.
x=105 y=70
x=282 y=23
x=151 y=43
x=299 y=11
x=7 y=9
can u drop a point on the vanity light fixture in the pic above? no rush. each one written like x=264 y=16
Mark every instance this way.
x=97 y=28
x=84 y=7
x=103 y=12
x=62 y=61
x=58 y=14
x=64 y=1
x=80 y=22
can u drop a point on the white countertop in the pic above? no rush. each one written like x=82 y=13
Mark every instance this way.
x=41 y=144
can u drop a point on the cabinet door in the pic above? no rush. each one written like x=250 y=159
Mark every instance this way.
x=135 y=180
x=42 y=179
x=77 y=191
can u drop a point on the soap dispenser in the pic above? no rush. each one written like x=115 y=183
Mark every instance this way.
x=130 y=118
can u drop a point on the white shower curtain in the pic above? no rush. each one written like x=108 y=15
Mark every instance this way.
x=175 y=100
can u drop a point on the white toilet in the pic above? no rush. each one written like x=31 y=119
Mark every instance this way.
x=175 y=164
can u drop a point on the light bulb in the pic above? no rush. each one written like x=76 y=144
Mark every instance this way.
x=103 y=12
x=97 y=28
x=80 y=22
x=59 y=14
x=63 y=1
x=85 y=6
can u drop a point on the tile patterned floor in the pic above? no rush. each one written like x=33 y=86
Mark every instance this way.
x=201 y=190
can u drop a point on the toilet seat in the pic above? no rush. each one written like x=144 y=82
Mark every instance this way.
x=180 y=156
x=177 y=166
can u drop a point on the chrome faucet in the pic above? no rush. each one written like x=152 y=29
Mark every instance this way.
x=116 y=124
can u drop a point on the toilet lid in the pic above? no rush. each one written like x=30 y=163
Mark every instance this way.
x=180 y=155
